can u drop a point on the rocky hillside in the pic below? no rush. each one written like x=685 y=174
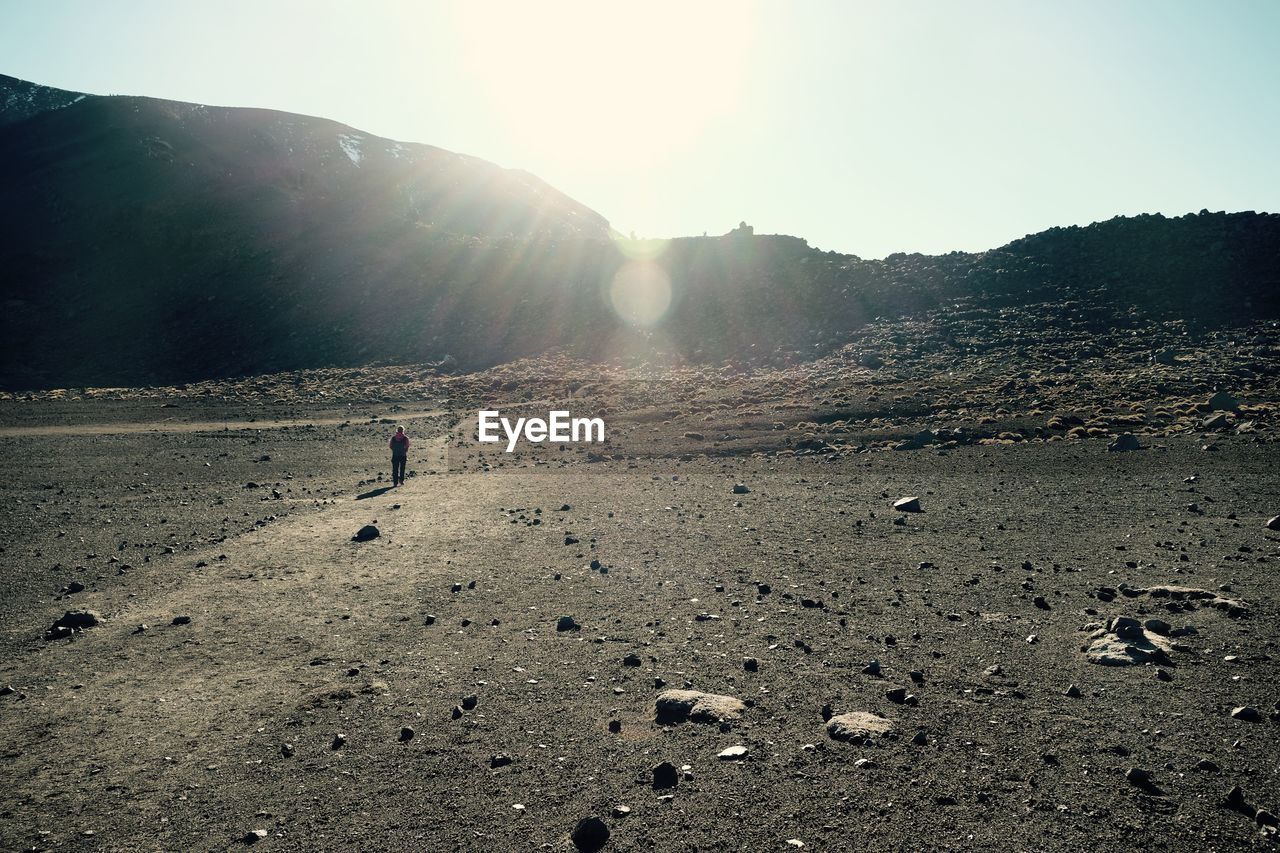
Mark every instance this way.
x=147 y=242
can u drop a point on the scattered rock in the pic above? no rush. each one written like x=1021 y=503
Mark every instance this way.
x=502 y=759
x=366 y=533
x=1125 y=441
x=733 y=753
x=1223 y=402
x=908 y=504
x=665 y=776
x=621 y=811
x=567 y=623
x=470 y=701
x=590 y=834
x=740 y=489
x=406 y=734
x=857 y=726
x=1247 y=713
x=72 y=621
x=253 y=836
x=181 y=620
x=1273 y=523
x=339 y=741
x=1074 y=692
x=674 y=706
x=751 y=664
x=1138 y=776
x=1124 y=642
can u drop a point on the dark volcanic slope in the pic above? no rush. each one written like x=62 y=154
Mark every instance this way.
x=154 y=242
x=141 y=236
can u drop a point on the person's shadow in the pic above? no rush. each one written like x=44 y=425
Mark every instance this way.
x=374 y=493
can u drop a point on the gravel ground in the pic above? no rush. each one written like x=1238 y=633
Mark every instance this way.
x=195 y=735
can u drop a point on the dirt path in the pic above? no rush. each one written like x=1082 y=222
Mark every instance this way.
x=277 y=618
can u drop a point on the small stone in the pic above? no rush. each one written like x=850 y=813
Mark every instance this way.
x=920 y=739
x=751 y=664
x=567 y=623
x=1206 y=766
x=1138 y=776
x=865 y=764
x=908 y=504
x=1273 y=523
x=456 y=713
x=75 y=620
x=339 y=741
x=1074 y=692
x=740 y=489
x=872 y=668
x=181 y=620
x=1247 y=713
x=500 y=760
x=621 y=811
x=1164 y=675
x=1039 y=601
x=590 y=834
x=733 y=753
x=857 y=726
x=1123 y=442
x=665 y=776
x=253 y=836
x=1235 y=800
x=897 y=695
x=1223 y=402
x=632 y=659
x=287 y=750
x=366 y=533
x=680 y=705
x=916 y=676
x=615 y=726
x=470 y=701
x=406 y=734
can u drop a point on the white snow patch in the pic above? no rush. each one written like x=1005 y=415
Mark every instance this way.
x=351 y=147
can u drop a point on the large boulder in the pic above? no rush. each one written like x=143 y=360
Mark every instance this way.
x=675 y=706
x=857 y=726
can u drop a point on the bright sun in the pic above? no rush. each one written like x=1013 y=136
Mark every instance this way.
x=600 y=83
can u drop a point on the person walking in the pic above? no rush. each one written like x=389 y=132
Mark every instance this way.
x=399 y=445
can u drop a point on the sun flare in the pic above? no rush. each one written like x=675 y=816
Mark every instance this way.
x=607 y=84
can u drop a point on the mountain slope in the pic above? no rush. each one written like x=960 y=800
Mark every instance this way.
x=145 y=241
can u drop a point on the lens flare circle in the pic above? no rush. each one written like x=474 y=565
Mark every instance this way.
x=640 y=293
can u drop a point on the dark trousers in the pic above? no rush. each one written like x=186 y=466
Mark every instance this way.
x=397 y=468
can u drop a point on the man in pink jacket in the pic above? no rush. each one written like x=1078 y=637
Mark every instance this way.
x=399 y=445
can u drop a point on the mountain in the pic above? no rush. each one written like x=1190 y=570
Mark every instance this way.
x=147 y=241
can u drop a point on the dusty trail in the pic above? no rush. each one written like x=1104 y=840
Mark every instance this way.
x=267 y=606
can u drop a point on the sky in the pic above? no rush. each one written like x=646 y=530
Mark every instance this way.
x=864 y=127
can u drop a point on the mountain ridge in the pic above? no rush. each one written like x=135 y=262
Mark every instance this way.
x=151 y=242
